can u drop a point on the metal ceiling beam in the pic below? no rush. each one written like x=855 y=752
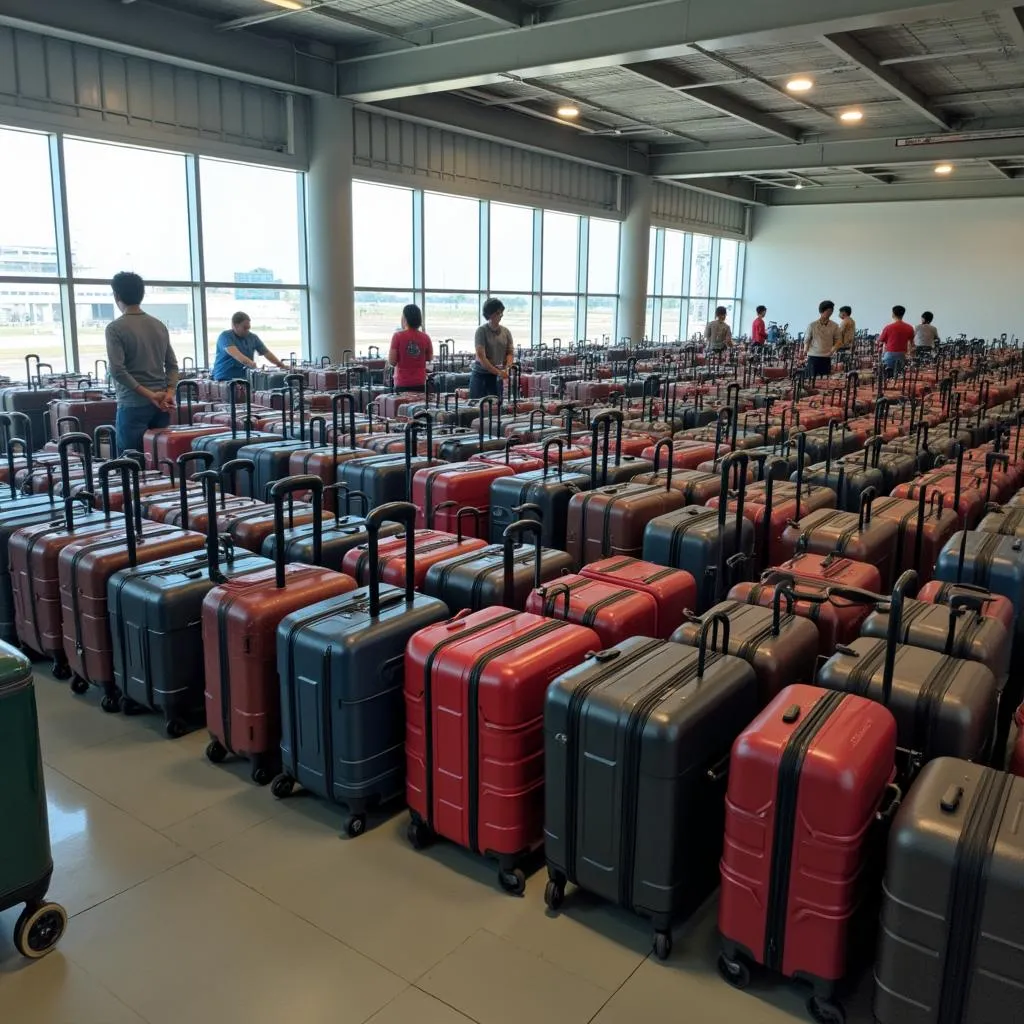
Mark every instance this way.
x=847 y=46
x=723 y=188
x=189 y=41
x=917 y=58
x=876 y=175
x=577 y=37
x=1007 y=172
x=322 y=9
x=899 y=192
x=504 y=12
x=714 y=97
x=1012 y=19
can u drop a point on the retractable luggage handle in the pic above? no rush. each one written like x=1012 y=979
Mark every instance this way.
x=412 y=431
x=246 y=389
x=209 y=479
x=662 y=445
x=769 y=497
x=709 y=627
x=228 y=473
x=993 y=459
x=508 y=547
x=320 y=421
x=338 y=403
x=85 y=497
x=402 y=512
x=296 y=383
x=282 y=489
x=189 y=388
x=601 y=428
x=873 y=448
x=801 y=456
x=26 y=426
x=467 y=510
x=550 y=596
x=74 y=440
x=741 y=461
x=487 y=402
x=76 y=424
x=545 y=453
x=184 y=460
x=129 y=470
x=867 y=498
x=959 y=603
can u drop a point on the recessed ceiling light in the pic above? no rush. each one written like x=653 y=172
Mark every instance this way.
x=568 y=110
x=799 y=185
x=800 y=84
x=289 y=5
x=943 y=168
x=851 y=116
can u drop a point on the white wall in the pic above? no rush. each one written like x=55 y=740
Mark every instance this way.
x=962 y=259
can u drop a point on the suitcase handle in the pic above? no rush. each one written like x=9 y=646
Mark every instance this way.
x=867 y=497
x=559 y=443
x=404 y=513
x=282 y=489
x=710 y=628
x=71 y=440
x=129 y=470
x=550 y=596
x=86 y=497
x=228 y=474
x=664 y=443
x=246 y=389
x=209 y=479
x=509 y=539
x=338 y=403
x=189 y=388
x=906 y=580
x=206 y=459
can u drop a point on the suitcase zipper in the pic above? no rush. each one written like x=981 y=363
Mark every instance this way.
x=967 y=891
x=783 y=855
x=606 y=540
x=929 y=700
x=428 y=713
x=860 y=676
x=983 y=559
x=364 y=556
x=624 y=563
x=473 y=718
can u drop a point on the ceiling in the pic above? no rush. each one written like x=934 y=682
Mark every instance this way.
x=693 y=91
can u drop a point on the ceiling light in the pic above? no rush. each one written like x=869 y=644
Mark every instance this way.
x=943 y=168
x=568 y=110
x=288 y=5
x=851 y=116
x=799 y=185
x=801 y=84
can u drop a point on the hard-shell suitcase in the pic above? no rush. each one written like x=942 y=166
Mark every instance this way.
x=440 y=491
x=225 y=446
x=988 y=560
x=922 y=529
x=386 y=478
x=782 y=647
x=809 y=780
x=155 y=614
x=240 y=618
x=25 y=860
x=474 y=741
x=341 y=664
x=674 y=590
x=168 y=443
x=952 y=931
x=636 y=744
x=993 y=606
x=943 y=706
x=604 y=466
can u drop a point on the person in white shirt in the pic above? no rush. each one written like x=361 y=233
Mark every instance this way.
x=821 y=339
x=718 y=334
x=926 y=336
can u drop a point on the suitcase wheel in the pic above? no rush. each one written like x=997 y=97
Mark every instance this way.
x=825 y=1012
x=175 y=728
x=39 y=929
x=662 y=945
x=61 y=669
x=735 y=972
x=282 y=786
x=216 y=752
x=79 y=685
x=512 y=881
x=419 y=834
x=131 y=707
x=554 y=894
x=354 y=825
x=260 y=774
x=111 y=703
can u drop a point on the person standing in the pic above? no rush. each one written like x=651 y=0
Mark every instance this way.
x=494 y=353
x=847 y=329
x=142 y=364
x=759 y=330
x=926 y=336
x=821 y=339
x=893 y=342
x=410 y=351
x=236 y=349
x=718 y=334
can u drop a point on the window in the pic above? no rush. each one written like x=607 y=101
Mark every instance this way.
x=518 y=317
x=28 y=237
x=454 y=316
x=511 y=244
x=558 y=319
x=697 y=319
x=30 y=322
x=649 y=319
x=601 y=312
x=700 y=266
x=670 y=311
x=378 y=316
x=382 y=236
x=652 y=256
x=728 y=260
x=603 y=257
x=675 y=247
x=451 y=236
x=276 y=317
x=561 y=245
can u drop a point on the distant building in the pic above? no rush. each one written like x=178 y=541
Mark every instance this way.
x=258 y=276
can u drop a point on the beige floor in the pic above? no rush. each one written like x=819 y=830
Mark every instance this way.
x=197 y=898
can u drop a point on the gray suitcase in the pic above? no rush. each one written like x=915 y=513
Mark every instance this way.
x=950 y=950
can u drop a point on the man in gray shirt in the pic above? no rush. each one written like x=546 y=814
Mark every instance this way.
x=142 y=363
x=718 y=334
x=494 y=353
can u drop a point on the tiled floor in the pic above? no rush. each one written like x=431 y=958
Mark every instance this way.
x=197 y=898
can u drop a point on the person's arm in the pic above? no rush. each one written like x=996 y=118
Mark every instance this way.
x=267 y=354
x=393 y=351
x=240 y=357
x=728 y=336
x=171 y=368
x=119 y=371
x=428 y=350
x=481 y=353
x=510 y=350
x=882 y=339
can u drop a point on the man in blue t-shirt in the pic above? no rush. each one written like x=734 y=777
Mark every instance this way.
x=236 y=348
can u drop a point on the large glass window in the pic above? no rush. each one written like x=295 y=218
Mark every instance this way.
x=382 y=236
x=28 y=238
x=603 y=263
x=558 y=319
x=453 y=315
x=518 y=318
x=728 y=260
x=700 y=266
x=670 y=311
x=378 y=316
x=451 y=240
x=30 y=322
x=561 y=252
x=675 y=248
x=511 y=244
x=601 y=310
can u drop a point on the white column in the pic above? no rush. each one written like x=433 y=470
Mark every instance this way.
x=634 y=248
x=329 y=228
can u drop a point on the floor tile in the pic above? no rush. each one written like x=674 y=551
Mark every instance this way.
x=194 y=945
x=416 y=1007
x=240 y=811
x=68 y=723
x=495 y=982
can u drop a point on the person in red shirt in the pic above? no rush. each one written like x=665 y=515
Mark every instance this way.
x=759 y=332
x=894 y=341
x=410 y=352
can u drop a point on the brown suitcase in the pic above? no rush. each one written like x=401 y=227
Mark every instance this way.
x=696 y=486
x=923 y=528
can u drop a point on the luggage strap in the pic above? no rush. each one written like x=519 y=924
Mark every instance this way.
x=929 y=699
x=967 y=891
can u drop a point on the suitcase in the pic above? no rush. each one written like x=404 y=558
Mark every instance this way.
x=603 y=469
x=922 y=529
x=385 y=479
x=810 y=781
x=951 y=931
x=239 y=625
x=992 y=605
x=341 y=665
x=440 y=491
x=713 y=547
x=158 y=505
x=496 y=575
x=781 y=648
x=96 y=411
x=225 y=446
x=166 y=444
x=155 y=614
x=943 y=706
x=26 y=863
x=697 y=486
x=636 y=744
x=474 y=740
x=987 y=560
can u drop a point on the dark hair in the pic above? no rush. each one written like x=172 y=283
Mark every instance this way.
x=826 y=304
x=413 y=316
x=128 y=287
x=846 y=309
x=721 y=311
x=927 y=317
x=239 y=318
x=492 y=306
x=899 y=311
x=761 y=310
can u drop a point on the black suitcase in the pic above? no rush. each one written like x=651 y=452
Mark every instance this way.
x=716 y=550
x=385 y=479
x=497 y=575
x=952 y=928
x=602 y=467
x=155 y=623
x=989 y=560
x=850 y=477
x=943 y=706
x=341 y=663
x=224 y=447
x=464 y=446
x=636 y=747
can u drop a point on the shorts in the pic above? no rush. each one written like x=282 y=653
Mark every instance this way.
x=819 y=366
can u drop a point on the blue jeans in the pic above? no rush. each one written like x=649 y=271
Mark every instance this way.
x=820 y=366
x=133 y=421
x=893 y=362
x=483 y=384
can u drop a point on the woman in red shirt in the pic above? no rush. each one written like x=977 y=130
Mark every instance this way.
x=411 y=350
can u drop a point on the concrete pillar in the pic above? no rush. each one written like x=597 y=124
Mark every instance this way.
x=329 y=228
x=634 y=248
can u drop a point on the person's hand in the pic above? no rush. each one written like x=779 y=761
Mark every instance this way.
x=503 y=374
x=168 y=401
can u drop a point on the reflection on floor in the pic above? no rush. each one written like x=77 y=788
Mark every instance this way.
x=196 y=897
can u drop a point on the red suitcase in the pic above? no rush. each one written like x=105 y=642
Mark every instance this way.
x=474 y=697
x=440 y=491
x=240 y=620
x=168 y=443
x=923 y=528
x=808 y=779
